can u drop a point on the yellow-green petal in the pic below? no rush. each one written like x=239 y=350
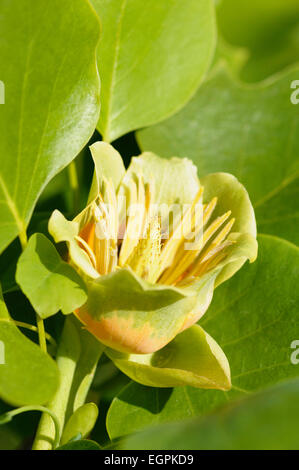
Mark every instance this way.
x=176 y=179
x=107 y=164
x=131 y=315
x=231 y=195
x=192 y=358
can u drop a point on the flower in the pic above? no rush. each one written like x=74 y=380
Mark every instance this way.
x=152 y=244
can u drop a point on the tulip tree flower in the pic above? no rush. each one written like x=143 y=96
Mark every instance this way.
x=146 y=290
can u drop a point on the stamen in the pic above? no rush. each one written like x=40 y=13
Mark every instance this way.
x=136 y=222
x=215 y=226
x=129 y=243
x=110 y=199
x=207 y=236
x=87 y=249
x=171 y=245
x=102 y=241
x=113 y=256
x=212 y=258
x=186 y=257
x=146 y=255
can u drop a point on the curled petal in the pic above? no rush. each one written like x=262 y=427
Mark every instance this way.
x=192 y=358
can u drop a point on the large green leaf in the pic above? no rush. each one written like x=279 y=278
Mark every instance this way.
x=268 y=28
x=28 y=376
x=254 y=317
x=152 y=57
x=52 y=98
x=49 y=283
x=247 y=131
x=267 y=420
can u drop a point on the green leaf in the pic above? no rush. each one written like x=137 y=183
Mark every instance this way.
x=254 y=317
x=83 y=444
x=268 y=28
x=52 y=99
x=247 y=131
x=49 y=283
x=192 y=358
x=28 y=376
x=138 y=406
x=81 y=422
x=264 y=421
x=152 y=57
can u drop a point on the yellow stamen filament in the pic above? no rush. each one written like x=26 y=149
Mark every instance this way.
x=88 y=250
x=112 y=226
x=171 y=245
x=186 y=257
x=207 y=262
x=209 y=233
x=130 y=238
x=219 y=238
x=102 y=239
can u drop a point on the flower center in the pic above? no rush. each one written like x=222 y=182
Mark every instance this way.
x=170 y=246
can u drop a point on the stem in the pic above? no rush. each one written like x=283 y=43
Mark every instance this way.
x=74 y=183
x=22 y=324
x=10 y=414
x=76 y=374
x=92 y=350
x=23 y=239
x=67 y=356
x=41 y=333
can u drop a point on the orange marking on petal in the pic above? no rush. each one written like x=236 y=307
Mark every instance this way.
x=120 y=334
x=87 y=233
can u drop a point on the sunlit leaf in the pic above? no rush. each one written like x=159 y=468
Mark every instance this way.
x=152 y=57
x=51 y=99
x=28 y=376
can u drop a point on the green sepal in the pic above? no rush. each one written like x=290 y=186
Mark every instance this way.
x=49 y=283
x=81 y=422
